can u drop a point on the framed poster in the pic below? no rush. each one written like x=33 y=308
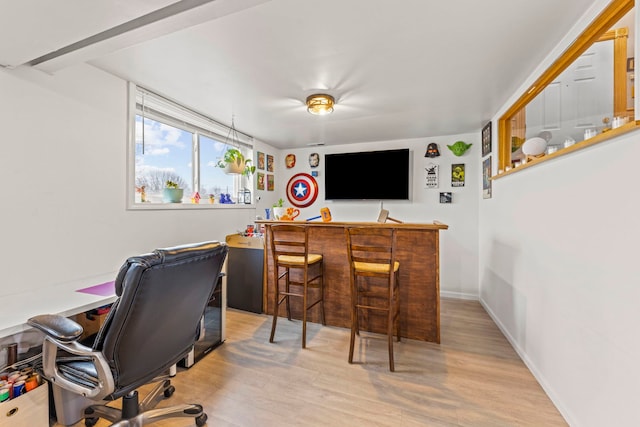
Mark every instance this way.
x=260 y=160
x=269 y=163
x=260 y=183
x=457 y=175
x=486 y=178
x=270 y=182
x=431 y=180
x=486 y=139
x=446 y=197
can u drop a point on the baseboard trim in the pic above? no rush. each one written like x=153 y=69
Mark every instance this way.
x=458 y=295
x=553 y=396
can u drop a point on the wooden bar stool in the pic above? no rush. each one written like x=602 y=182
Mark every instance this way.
x=374 y=279
x=290 y=250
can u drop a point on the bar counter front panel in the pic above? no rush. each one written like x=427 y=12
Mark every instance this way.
x=418 y=253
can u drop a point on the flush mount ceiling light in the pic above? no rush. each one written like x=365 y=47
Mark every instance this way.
x=320 y=104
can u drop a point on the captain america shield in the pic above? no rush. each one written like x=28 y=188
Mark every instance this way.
x=302 y=190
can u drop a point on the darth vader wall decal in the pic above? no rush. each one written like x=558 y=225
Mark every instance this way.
x=432 y=150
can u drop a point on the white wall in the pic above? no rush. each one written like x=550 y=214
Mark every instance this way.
x=64 y=193
x=458 y=244
x=64 y=160
x=558 y=273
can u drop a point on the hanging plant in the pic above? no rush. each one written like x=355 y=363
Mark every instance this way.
x=233 y=161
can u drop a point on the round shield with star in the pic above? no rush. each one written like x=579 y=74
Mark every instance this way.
x=302 y=190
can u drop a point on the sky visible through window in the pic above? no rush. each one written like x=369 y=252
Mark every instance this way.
x=167 y=154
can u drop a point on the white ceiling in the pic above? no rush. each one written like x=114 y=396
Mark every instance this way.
x=397 y=68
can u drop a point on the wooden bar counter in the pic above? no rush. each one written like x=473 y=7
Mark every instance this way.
x=418 y=254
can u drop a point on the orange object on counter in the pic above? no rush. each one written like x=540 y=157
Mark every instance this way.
x=325 y=213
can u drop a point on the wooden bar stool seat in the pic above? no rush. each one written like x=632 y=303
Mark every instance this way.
x=290 y=249
x=374 y=280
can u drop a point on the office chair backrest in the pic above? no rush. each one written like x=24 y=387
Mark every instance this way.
x=154 y=322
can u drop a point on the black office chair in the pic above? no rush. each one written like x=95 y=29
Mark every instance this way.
x=152 y=326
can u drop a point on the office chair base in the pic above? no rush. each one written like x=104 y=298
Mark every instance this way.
x=134 y=414
x=193 y=411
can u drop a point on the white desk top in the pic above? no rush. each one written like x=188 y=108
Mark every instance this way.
x=54 y=299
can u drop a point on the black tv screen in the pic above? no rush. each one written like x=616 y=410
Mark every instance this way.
x=371 y=175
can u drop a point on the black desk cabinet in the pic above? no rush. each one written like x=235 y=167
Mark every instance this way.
x=244 y=272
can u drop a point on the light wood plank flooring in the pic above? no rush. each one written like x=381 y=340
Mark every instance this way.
x=473 y=378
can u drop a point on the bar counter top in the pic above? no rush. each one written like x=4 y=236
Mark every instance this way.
x=435 y=225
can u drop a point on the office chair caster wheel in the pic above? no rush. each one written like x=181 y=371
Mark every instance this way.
x=169 y=391
x=201 y=420
x=90 y=422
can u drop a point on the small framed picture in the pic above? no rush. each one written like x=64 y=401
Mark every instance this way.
x=260 y=183
x=486 y=178
x=446 y=197
x=486 y=139
x=260 y=160
x=269 y=163
x=270 y=182
x=457 y=175
x=432 y=175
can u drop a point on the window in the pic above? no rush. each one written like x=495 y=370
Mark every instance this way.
x=585 y=97
x=171 y=143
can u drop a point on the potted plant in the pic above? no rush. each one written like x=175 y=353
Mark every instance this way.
x=278 y=209
x=234 y=162
x=171 y=193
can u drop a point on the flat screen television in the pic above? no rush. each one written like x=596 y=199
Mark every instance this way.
x=370 y=175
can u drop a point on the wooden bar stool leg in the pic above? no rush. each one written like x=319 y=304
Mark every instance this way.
x=276 y=305
x=321 y=290
x=288 y=289
x=353 y=333
x=390 y=321
x=305 y=309
x=397 y=308
x=354 y=318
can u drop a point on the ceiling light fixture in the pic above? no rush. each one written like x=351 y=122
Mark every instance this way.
x=320 y=104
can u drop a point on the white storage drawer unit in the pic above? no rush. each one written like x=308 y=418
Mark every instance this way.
x=29 y=410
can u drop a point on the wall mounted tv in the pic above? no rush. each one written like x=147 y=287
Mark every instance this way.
x=370 y=175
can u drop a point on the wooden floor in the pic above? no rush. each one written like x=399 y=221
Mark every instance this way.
x=473 y=378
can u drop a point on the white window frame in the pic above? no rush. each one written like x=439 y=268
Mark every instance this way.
x=174 y=114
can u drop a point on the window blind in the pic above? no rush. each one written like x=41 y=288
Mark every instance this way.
x=155 y=106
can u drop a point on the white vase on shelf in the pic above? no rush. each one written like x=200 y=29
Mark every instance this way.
x=278 y=213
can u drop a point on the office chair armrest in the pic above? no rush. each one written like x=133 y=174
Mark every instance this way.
x=62 y=334
x=58 y=327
